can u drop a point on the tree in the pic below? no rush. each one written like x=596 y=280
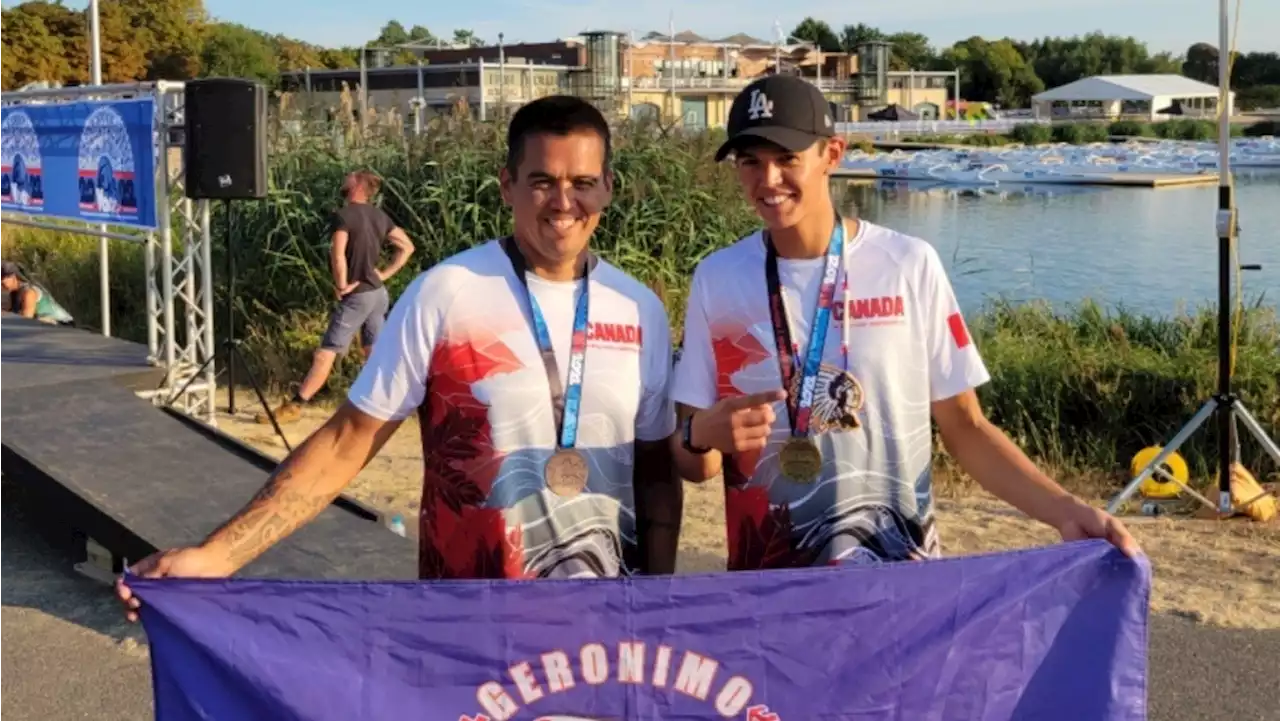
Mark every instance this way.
x=32 y=50
x=340 y=58
x=70 y=31
x=393 y=33
x=468 y=38
x=419 y=34
x=172 y=31
x=994 y=72
x=819 y=33
x=123 y=46
x=291 y=54
x=235 y=51
x=851 y=36
x=1201 y=63
x=911 y=51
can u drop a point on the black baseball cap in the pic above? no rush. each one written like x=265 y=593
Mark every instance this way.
x=785 y=110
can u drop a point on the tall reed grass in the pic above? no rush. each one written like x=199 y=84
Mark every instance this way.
x=1082 y=388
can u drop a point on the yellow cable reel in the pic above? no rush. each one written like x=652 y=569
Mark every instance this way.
x=1157 y=485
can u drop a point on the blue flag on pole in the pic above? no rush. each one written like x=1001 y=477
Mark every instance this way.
x=1053 y=634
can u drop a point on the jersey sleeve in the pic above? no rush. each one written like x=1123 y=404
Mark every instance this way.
x=393 y=382
x=694 y=382
x=955 y=365
x=656 y=416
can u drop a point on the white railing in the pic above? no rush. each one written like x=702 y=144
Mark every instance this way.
x=720 y=83
x=926 y=127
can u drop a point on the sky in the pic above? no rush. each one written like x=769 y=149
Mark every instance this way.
x=1164 y=24
x=1170 y=25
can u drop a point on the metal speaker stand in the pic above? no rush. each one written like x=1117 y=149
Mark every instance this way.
x=1224 y=406
x=231 y=346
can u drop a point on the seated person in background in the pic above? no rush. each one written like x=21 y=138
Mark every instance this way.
x=30 y=300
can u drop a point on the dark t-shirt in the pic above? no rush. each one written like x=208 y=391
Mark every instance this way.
x=367 y=226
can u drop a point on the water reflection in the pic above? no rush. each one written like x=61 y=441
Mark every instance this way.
x=1150 y=250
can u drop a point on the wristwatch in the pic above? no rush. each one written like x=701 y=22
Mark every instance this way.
x=686 y=437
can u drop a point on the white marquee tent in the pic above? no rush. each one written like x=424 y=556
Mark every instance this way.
x=1151 y=92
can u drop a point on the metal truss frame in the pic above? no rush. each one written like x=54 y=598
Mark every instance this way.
x=179 y=292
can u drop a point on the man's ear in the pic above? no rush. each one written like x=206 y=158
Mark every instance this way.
x=834 y=152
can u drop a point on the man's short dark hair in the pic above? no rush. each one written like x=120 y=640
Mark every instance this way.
x=554 y=115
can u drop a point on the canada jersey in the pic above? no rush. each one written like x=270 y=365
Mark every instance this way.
x=459 y=349
x=907 y=346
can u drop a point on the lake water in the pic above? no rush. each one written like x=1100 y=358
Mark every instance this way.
x=1154 y=251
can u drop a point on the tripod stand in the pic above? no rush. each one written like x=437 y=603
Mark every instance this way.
x=231 y=346
x=1223 y=405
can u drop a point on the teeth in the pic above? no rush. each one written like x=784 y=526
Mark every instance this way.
x=562 y=224
x=775 y=200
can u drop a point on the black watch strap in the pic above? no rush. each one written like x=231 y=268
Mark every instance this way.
x=686 y=436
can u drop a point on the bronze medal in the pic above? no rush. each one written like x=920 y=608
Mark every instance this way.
x=801 y=461
x=566 y=473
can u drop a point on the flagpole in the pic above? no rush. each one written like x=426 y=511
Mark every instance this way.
x=104 y=266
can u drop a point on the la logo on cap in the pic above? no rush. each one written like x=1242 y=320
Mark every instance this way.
x=761 y=106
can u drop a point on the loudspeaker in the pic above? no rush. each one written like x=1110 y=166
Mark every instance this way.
x=226 y=143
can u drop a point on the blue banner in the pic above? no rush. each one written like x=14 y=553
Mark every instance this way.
x=1053 y=634
x=92 y=161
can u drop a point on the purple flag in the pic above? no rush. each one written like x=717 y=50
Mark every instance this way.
x=1056 y=633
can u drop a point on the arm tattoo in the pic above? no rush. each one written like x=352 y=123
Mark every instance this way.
x=275 y=511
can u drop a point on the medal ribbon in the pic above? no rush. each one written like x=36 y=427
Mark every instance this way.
x=800 y=409
x=565 y=403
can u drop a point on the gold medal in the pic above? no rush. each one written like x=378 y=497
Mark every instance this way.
x=566 y=473
x=801 y=460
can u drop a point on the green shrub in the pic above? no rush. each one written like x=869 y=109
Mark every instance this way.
x=1031 y=133
x=1132 y=128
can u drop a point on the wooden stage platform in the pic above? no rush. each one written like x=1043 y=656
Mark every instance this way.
x=134 y=478
x=1130 y=180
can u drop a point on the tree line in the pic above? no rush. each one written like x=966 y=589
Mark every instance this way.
x=177 y=40
x=1008 y=72
x=171 y=40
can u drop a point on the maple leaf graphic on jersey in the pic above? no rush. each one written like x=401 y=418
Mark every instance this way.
x=734 y=348
x=460 y=537
x=760 y=534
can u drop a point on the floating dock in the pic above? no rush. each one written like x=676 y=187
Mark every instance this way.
x=1131 y=180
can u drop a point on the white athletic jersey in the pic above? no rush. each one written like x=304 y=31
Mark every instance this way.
x=459 y=349
x=907 y=346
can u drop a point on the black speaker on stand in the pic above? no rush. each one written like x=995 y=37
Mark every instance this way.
x=225 y=158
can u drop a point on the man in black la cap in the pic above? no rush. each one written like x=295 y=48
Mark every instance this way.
x=840 y=472
x=782 y=109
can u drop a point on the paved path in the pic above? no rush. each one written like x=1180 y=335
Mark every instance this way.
x=70 y=656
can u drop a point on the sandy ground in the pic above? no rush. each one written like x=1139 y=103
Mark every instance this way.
x=1221 y=573
x=70 y=655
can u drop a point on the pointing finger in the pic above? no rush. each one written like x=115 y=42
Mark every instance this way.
x=757 y=399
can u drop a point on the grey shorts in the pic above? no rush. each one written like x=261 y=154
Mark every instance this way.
x=363 y=311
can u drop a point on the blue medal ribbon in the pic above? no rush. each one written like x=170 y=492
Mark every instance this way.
x=565 y=402
x=800 y=409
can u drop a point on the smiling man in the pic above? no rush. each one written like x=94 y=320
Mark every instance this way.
x=854 y=326
x=538 y=373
